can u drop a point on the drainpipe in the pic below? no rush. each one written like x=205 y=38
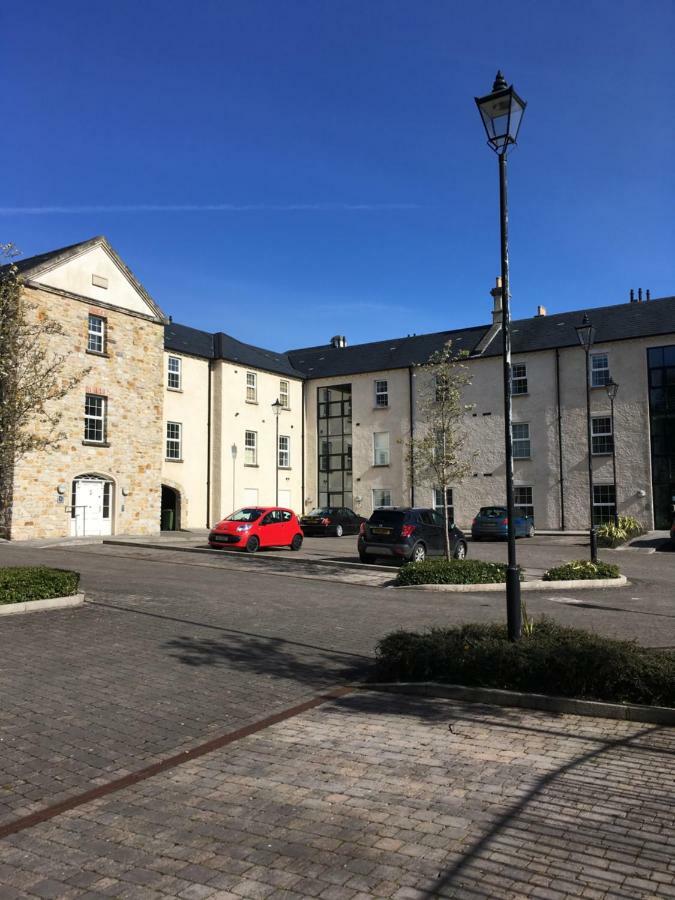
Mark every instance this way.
x=302 y=478
x=560 y=451
x=412 y=435
x=208 y=450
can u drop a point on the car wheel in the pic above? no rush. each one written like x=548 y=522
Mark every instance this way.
x=460 y=551
x=419 y=553
x=252 y=544
x=530 y=532
x=296 y=543
x=338 y=531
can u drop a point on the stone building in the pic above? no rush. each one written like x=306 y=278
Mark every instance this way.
x=210 y=423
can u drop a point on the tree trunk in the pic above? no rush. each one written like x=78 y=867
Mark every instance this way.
x=6 y=498
x=446 y=534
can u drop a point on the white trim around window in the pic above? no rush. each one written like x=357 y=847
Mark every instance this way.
x=251 y=387
x=521 y=440
x=600 y=374
x=95 y=409
x=381 y=448
x=381 y=497
x=174 y=441
x=284 y=394
x=250 y=448
x=174 y=373
x=96 y=334
x=381 y=393
x=284 y=451
x=602 y=439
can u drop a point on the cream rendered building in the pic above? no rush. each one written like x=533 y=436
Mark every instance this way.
x=182 y=426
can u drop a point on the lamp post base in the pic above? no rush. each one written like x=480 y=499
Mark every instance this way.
x=513 y=605
x=593 y=540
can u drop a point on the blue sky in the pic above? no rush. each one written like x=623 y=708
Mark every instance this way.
x=288 y=171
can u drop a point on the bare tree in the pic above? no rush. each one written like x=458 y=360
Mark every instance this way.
x=32 y=381
x=438 y=455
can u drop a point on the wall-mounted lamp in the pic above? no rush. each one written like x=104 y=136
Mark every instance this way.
x=642 y=493
x=125 y=491
x=61 y=489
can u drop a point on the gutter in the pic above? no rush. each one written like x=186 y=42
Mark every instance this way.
x=412 y=435
x=560 y=451
x=208 y=449
x=302 y=439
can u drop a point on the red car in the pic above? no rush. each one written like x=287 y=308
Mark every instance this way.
x=257 y=526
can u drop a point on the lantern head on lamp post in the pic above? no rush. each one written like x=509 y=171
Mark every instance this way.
x=501 y=112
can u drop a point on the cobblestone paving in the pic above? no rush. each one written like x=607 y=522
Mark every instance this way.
x=379 y=796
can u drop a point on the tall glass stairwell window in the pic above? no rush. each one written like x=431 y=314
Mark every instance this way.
x=661 y=363
x=334 y=420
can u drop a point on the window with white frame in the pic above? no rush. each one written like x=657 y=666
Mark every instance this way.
x=604 y=503
x=602 y=439
x=599 y=370
x=381 y=393
x=438 y=503
x=522 y=500
x=381 y=448
x=96 y=334
x=251 y=387
x=174 y=378
x=381 y=497
x=521 y=441
x=94 y=419
x=284 y=451
x=283 y=394
x=250 y=448
x=174 y=435
x=519 y=378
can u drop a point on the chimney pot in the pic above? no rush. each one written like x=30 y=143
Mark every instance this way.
x=496 y=293
x=541 y=310
x=338 y=340
x=648 y=295
x=632 y=295
x=639 y=295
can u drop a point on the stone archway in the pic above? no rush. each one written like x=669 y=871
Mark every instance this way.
x=171 y=509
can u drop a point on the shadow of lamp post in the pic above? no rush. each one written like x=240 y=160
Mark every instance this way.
x=586 y=335
x=612 y=389
x=502 y=112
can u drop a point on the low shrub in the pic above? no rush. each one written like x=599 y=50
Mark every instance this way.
x=582 y=570
x=552 y=659
x=454 y=571
x=611 y=535
x=36 y=583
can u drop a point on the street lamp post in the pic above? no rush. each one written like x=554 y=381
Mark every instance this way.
x=502 y=112
x=233 y=450
x=277 y=406
x=612 y=389
x=586 y=334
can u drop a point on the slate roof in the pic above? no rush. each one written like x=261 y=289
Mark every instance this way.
x=183 y=339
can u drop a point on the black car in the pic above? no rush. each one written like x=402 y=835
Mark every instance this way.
x=410 y=534
x=335 y=520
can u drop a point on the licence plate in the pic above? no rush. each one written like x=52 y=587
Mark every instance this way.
x=381 y=530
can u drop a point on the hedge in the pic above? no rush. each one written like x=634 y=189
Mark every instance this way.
x=582 y=570
x=36 y=583
x=454 y=571
x=555 y=660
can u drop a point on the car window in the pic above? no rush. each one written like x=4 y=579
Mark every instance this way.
x=386 y=517
x=492 y=512
x=285 y=515
x=426 y=518
x=438 y=518
x=269 y=518
x=244 y=515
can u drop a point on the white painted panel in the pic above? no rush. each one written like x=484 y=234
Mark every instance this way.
x=250 y=496
x=285 y=499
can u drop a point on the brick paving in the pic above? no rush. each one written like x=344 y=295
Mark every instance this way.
x=379 y=796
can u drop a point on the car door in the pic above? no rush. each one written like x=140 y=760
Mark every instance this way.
x=287 y=527
x=433 y=529
x=270 y=528
x=352 y=520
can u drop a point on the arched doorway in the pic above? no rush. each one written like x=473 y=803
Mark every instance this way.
x=91 y=505
x=170 y=518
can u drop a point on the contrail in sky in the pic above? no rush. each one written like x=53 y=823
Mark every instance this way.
x=206 y=207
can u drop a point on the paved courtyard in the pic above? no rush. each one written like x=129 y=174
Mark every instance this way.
x=175 y=649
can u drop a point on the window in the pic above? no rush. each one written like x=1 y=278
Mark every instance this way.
x=604 y=503
x=106 y=499
x=602 y=438
x=521 y=441
x=522 y=500
x=173 y=440
x=519 y=379
x=174 y=374
x=381 y=393
x=599 y=370
x=96 y=335
x=283 y=394
x=251 y=388
x=438 y=503
x=381 y=448
x=381 y=497
x=284 y=451
x=250 y=448
x=441 y=388
x=94 y=418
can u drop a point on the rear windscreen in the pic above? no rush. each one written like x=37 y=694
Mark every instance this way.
x=386 y=517
x=493 y=512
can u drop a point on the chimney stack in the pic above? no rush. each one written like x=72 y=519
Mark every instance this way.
x=639 y=295
x=648 y=297
x=338 y=340
x=541 y=310
x=632 y=295
x=497 y=302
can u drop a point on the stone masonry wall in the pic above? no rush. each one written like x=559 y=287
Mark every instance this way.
x=130 y=377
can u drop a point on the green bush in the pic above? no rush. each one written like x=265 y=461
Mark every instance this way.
x=36 y=583
x=454 y=571
x=611 y=535
x=552 y=659
x=582 y=570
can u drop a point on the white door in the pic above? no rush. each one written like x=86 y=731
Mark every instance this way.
x=285 y=499
x=92 y=508
x=250 y=496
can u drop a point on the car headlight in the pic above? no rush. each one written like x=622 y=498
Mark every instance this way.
x=243 y=527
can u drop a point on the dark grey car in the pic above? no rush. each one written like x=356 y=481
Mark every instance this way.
x=409 y=534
